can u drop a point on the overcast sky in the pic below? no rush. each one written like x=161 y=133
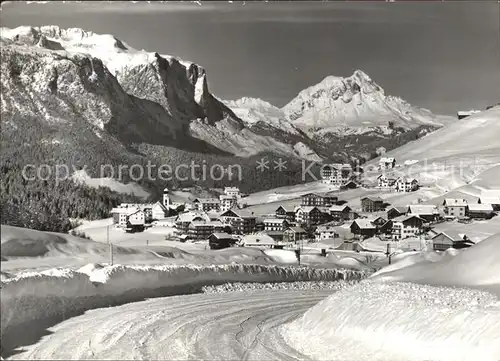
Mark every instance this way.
x=444 y=56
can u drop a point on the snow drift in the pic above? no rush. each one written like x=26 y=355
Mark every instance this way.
x=34 y=301
x=477 y=266
x=381 y=320
x=400 y=321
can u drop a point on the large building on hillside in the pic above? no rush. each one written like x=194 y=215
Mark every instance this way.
x=372 y=204
x=317 y=200
x=336 y=174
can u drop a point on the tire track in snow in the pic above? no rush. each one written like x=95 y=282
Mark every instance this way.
x=239 y=325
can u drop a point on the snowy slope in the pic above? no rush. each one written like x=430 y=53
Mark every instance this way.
x=477 y=266
x=475 y=135
x=464 y=155
x=405 y=321
x=355 y=104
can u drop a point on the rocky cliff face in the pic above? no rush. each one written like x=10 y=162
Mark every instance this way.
x=136 y=95
x=354 y=105
x=71 y=76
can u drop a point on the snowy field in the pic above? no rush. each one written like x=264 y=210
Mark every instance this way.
x=425 y=318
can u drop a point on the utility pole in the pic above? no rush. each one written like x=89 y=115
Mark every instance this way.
x=110 y=247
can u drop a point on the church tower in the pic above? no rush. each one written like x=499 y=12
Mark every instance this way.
x=166 y=198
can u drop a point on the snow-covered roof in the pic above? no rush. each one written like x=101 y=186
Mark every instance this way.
x=243 y=213
x=365 y=223
x=455 y=202
x=274 y=220
x=482 y=207
x=261 y=239
x=286 y=209
x=208 y=200
x=373 y=198
x=296 y=229
x=405 y=218
x=489 y=200
x=325 y=228
x=424 y=209
x=306 y=209
x=339 y=208
x=125 y=210
x=221 y=235
x=190 y=216
x=399 y=209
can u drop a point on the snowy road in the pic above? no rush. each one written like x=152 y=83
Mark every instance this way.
x=222 y=326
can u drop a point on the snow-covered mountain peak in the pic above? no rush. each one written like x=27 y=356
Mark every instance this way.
x=353 y=102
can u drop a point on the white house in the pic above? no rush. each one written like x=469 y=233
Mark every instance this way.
x=232 y=192
x=260 y=240
x=121 y=214
x=384 y=182
x=207 y=204
x=227 y=202
x=403 y=184
x=455 y=207
x=136 y=218
x=325 y=232
x=336 y=174
x=386 y=163
x=406 y=226
x=275 y=224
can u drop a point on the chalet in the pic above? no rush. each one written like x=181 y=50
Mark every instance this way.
x=427 y=212
x=372 y=204
x=342 y=213
x=379 y=221
x=386 y=163
x=294 y=234
x=479 y=211
x=325 y=232
x=494 y=201
x=384 y=182
x=349 y=185
x=227 y=202
x=403 y=184
x=221 y=240
x=259 y=240
x=137 y=218
x=275 y=224
x=200 y=230
x=394 y=212
x=310 y=216
x=183 y=220
x=455 y=207
x=243 y=221
x=336 y=174
x=232 y=192
x=312 y=200
x=363 y=227
x=450 y=239
x=207 y=204
x=135 y=221
x=406 y=226
x=286 y=213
